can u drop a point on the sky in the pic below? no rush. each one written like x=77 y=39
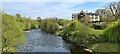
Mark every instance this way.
x=46 y=9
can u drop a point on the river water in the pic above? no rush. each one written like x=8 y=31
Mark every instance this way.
x=39 y=41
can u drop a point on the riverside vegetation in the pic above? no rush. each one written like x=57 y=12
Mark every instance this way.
x=12 y=30
x=82 y=33
x=75 y=32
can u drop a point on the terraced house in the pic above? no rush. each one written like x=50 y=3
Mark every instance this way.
x=93 y=17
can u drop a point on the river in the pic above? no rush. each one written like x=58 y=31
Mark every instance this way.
x=39 y=41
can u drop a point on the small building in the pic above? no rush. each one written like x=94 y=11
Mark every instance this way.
x=93 y=17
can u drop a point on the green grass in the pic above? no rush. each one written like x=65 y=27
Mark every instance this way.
x=104 y=47
x=97 y=31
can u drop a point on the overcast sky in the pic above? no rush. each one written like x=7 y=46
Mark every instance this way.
x=44 y=9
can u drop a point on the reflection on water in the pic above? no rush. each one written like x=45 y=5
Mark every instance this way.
x=39 y=41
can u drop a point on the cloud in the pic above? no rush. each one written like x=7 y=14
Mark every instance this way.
x=49 y=9
x=43 y=9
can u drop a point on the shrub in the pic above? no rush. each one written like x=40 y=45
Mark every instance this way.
x=112 y=32
x=11 y=33
x=49 y=25
x=63 y=22
x=77 y=33
x=34 y=24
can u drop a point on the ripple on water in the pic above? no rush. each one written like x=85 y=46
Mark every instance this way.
x=39 y=41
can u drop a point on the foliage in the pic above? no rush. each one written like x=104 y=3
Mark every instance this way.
x=0 y=33
x=12 y=32
x=104 y=47
x=77 y=33
x=63 y=22
x=49 y=25
x=34 y=24
x=28 y=23
x=85 y=20
x=39 y=21
x=112 y=32
x=12 y=29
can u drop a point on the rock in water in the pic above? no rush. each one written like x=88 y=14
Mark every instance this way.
x=88 y=50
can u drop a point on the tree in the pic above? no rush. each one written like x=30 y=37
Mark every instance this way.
x=105 y=15
x=18 y=15
x=39 y=20
x=114 y=8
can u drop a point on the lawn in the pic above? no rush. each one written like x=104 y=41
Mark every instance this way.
x=97 y=31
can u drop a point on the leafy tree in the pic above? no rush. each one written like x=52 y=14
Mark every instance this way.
x=39 y=20
x=18 y=15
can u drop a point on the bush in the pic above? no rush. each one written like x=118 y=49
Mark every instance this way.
x=77 y=33
x=49 y=25
x=112 y=32
x=12 y=32
x=63 y=22
x=34 y=24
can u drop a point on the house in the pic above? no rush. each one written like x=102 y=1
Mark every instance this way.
x=93 y=17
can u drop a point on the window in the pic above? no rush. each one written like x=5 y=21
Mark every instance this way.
x=96 y=17
x=92 y=17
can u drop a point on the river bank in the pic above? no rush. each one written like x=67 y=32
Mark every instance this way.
x=95 y=47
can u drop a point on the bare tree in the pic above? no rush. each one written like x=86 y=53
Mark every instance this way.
x=114 y=7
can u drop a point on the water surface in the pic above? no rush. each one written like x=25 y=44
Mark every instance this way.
x=39 y=41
